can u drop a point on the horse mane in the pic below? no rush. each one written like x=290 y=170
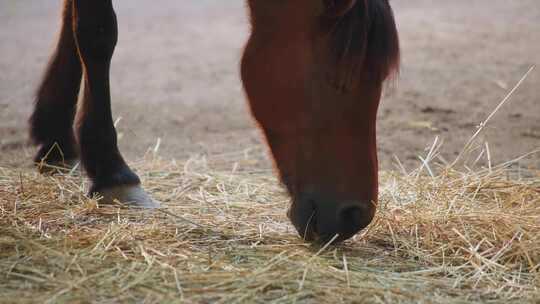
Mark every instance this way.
x=364 y=41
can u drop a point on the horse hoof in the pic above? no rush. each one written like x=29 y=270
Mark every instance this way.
x=133 y=196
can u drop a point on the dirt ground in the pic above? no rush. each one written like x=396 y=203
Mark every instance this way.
x=175 y=77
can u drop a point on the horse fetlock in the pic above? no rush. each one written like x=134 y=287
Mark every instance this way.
x=130 y=195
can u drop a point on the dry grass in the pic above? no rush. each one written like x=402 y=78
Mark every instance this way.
x=448 y=237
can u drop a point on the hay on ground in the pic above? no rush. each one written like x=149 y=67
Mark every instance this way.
x=223 y=237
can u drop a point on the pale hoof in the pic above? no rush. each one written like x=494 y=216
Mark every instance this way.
x=133 y=196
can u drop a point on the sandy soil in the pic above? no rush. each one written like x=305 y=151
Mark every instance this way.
x=175 y=77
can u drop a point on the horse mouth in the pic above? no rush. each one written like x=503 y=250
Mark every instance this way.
x=310 y=232
x=312 y=226
x=305 y=221
x=308 y=229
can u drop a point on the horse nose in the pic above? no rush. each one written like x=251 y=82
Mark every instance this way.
x=344 y=221
x=317 y=218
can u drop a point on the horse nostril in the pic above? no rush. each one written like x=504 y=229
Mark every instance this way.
x=353 y=219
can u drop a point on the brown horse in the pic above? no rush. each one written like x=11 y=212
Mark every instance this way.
x=313 y=71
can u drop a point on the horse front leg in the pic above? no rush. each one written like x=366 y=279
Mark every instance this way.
x=51 y=124
x=96 y=34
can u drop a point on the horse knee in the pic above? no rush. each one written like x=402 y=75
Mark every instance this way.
x=95 y=28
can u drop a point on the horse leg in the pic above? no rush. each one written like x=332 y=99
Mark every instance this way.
x=51 y=124
x=96 y=34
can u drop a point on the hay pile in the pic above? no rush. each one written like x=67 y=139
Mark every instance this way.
x=223 y=237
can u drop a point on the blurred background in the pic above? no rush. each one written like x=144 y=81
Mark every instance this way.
x=175 y=77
